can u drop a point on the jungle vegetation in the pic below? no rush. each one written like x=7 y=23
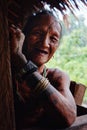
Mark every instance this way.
x=72 y=53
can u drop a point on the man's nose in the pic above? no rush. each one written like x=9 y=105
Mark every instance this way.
x=46 y=41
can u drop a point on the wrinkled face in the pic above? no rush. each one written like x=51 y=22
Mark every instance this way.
x=43 y=39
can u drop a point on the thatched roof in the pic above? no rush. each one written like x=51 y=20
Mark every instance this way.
x=17 y=9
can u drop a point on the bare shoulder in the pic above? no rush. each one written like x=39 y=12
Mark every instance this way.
x=57 y=73
x=58 y=78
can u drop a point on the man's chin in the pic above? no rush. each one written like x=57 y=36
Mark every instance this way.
x=39 y=63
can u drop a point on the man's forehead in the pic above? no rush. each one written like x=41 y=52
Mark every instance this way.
x=41 y=21
x=46 y=20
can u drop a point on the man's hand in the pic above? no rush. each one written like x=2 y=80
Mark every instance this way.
x=17 y=39
x=18 y=59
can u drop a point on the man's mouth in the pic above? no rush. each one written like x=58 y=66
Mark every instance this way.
x=41 y=51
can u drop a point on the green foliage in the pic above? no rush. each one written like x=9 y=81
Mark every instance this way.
x=72 y=53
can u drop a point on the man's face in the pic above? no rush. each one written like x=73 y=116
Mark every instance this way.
x=43 y=39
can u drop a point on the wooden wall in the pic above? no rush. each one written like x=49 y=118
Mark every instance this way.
x=7 y=121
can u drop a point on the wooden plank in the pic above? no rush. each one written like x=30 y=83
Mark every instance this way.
x=6 y=92
x=79 y=124
x=78 y=91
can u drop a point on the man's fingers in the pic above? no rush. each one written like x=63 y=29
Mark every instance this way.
x=17 y=38
x=15 y=31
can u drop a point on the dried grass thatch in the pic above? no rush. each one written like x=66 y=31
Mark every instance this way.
x=18 y=9
x=61 y=5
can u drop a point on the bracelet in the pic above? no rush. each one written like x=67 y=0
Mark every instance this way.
x=30 y=67
x=42 y=85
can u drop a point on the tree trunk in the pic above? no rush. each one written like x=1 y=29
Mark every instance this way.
x=7 y=120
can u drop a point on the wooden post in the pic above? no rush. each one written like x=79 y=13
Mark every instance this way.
x=79 y=93
x=6 y=92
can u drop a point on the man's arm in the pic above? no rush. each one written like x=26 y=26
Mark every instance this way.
x=61 y=102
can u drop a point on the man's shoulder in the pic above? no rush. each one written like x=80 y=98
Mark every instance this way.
x=56 y=71
x=59 y=75
x=60 y=79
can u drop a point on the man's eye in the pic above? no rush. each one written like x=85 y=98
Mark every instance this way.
x=54 y=39
x=36 y=33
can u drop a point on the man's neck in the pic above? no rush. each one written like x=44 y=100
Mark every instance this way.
x=41 y=69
